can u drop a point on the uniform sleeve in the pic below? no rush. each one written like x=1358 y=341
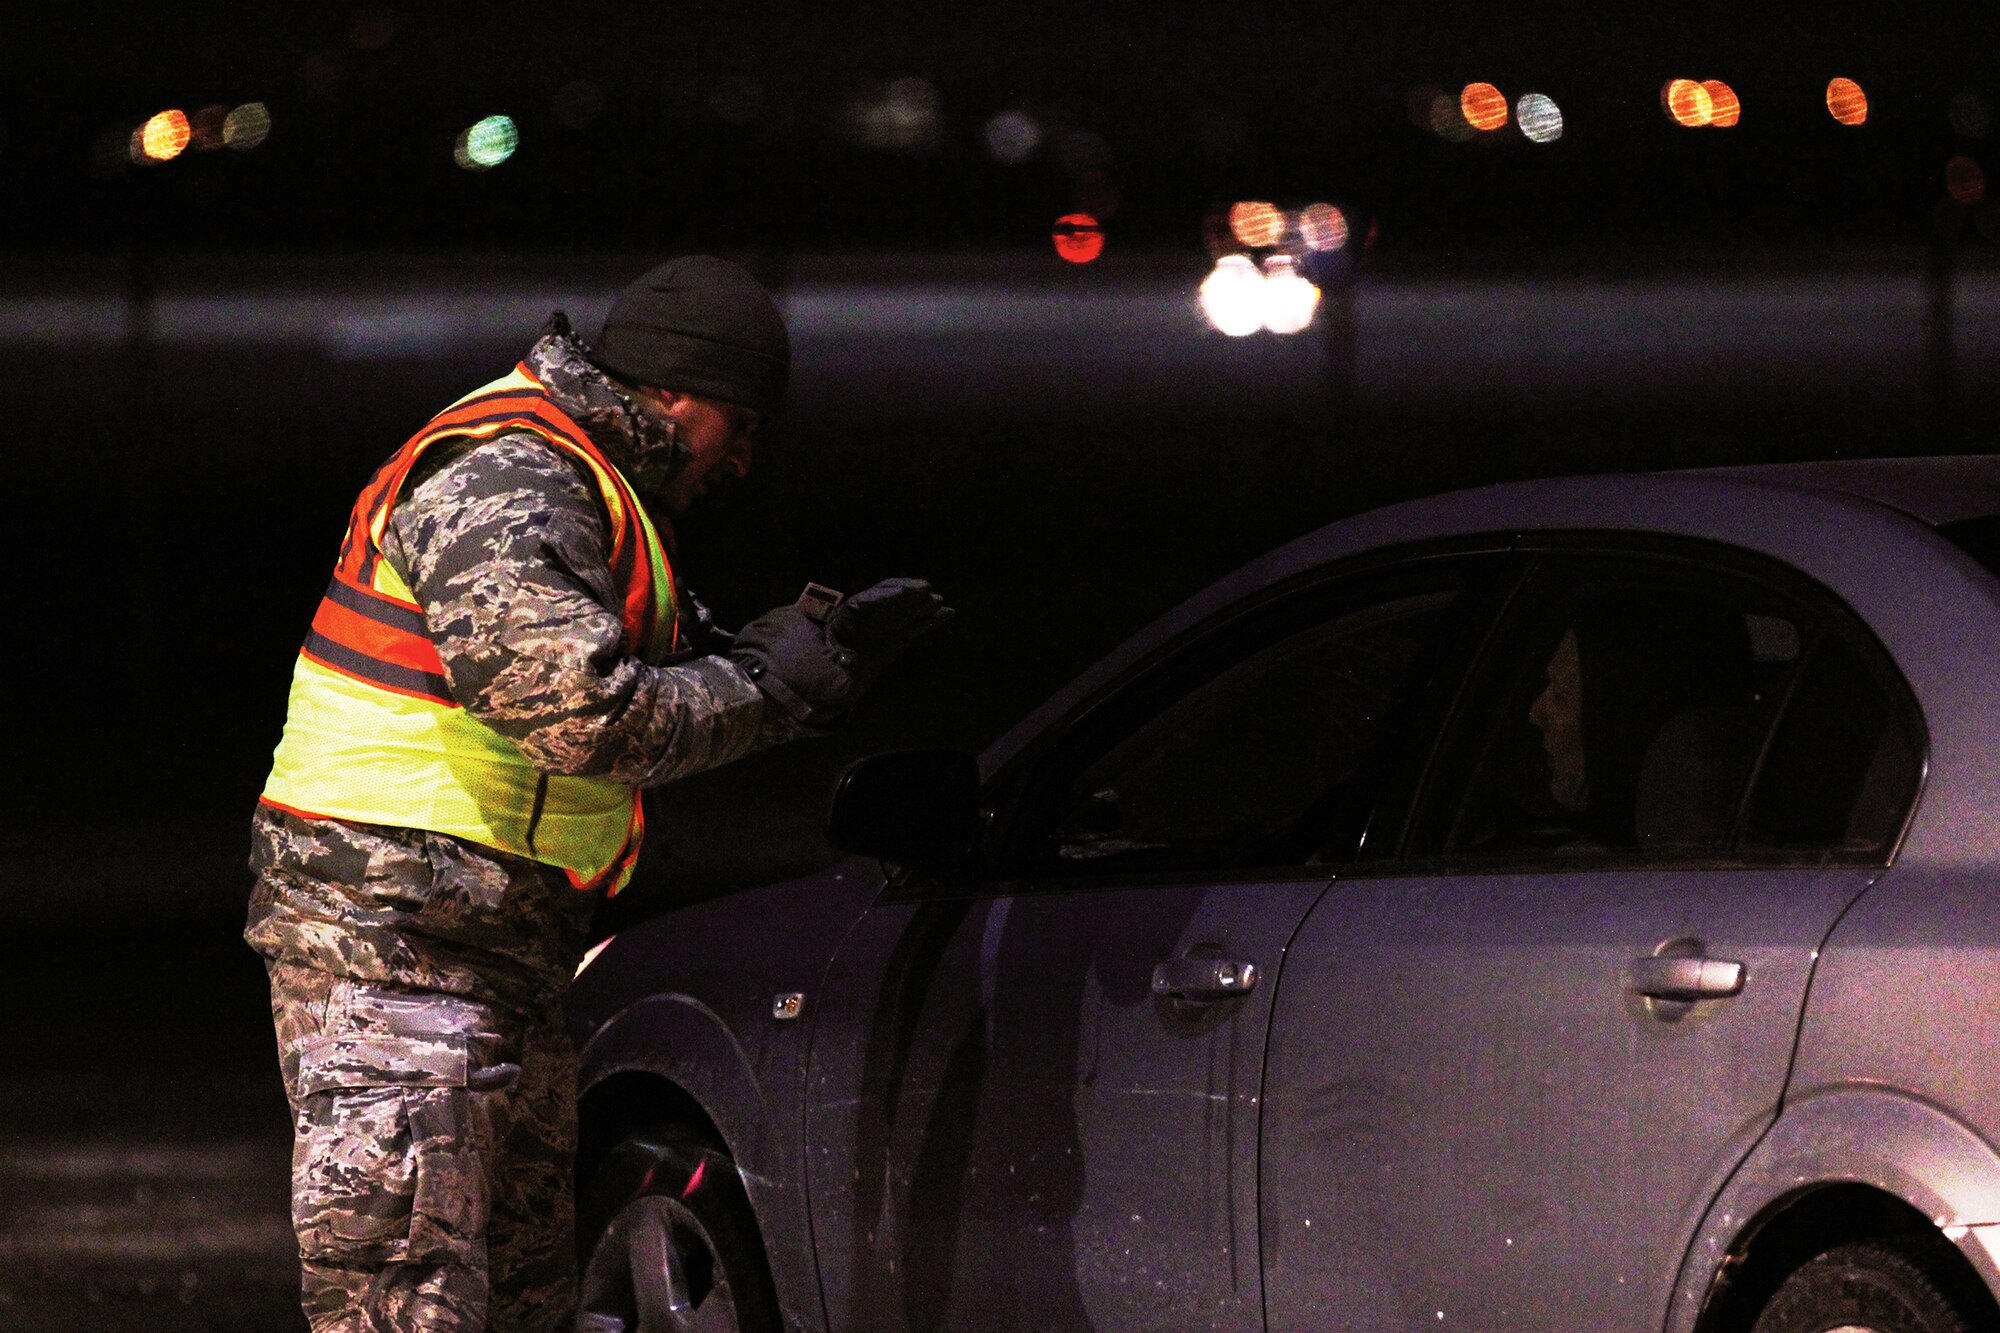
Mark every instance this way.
x=505 y=548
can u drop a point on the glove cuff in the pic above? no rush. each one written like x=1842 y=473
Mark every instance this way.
x=785 y=697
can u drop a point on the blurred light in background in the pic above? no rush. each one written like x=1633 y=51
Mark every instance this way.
x=1971 y=118
x=1483 y=106
x=1448 y=122
x=1239 y=299
x=1256 y=223
x=903 y=116
x=1724 y=107
x=577 y=103
x=1964 y=180
x=1539 y=117
x=1078 y=237
x=205 y=128
x=162 y=137
x=1289 y=299
x=486 y=144
x=247 y=126
x=1687 y=102
x=1322 y=227
x=1012 y=137
x=1232 y=296
x=1846 y=102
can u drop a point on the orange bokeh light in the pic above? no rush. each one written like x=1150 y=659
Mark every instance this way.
x=1483 y=106
x=1688 y=103
x=1078 y=237
x=1724 y=108
x=165 y=135
x=1847 y=103
x=1256 y=223
x=1964 y=180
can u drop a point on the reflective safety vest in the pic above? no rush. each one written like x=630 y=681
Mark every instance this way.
x=372 y=733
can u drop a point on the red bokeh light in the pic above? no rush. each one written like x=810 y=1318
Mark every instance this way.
x=1078 y=237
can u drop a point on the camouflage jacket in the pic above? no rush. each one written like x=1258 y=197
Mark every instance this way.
x=504 y=543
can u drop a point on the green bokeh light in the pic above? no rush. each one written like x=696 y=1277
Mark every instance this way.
x=492 y=141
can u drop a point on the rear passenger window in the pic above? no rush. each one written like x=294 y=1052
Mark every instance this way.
x=1843 y=767
x=1651 y=710
x=1619 y=715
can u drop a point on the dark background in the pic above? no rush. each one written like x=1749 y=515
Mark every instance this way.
x=208 y=355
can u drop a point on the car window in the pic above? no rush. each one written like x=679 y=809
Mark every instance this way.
x=1648 y=710
x=1843 y=768
x=1255 y=751
x=1620 y=714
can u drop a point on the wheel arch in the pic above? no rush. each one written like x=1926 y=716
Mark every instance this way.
x=628 y=1102
x=669 y=1059
x=1845 y=1164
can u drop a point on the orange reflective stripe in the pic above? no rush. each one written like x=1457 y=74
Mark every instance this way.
x=493 y=414
x=378 y=639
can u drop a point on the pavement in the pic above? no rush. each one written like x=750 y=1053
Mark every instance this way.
x=144 y=1139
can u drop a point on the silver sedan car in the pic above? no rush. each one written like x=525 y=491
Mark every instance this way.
x=1568 y=905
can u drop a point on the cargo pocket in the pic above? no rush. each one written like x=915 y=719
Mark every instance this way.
x=387 y=1165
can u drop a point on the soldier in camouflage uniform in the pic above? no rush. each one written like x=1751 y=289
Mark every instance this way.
x=416 y=976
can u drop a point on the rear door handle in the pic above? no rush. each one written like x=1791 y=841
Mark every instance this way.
x=1204 y=978
x=1685 y=978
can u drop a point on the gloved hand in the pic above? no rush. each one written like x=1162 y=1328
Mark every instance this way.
x=817 y=672
x=879 y=622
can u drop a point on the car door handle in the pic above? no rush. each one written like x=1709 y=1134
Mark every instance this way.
x=1685 y=978
x=1204 y=978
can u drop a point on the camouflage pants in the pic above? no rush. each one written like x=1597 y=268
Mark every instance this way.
x=434 y=1137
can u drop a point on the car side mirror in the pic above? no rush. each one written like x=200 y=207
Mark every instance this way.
x=917 y=808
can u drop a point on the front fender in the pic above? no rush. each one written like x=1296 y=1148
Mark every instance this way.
x=682 y=1040
x=1853 y=1134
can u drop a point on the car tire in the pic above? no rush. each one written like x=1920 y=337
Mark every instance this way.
x=669 y=1243
x=1869 y=1287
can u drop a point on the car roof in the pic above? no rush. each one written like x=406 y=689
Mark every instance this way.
x=1935 y=491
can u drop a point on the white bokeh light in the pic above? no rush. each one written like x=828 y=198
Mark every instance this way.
x=1232 y=296
x=1322 y=227
x=1539 y=117
x=1012 y=137
x=1289 y=299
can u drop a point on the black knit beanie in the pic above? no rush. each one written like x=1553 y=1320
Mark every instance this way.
x=698 y=325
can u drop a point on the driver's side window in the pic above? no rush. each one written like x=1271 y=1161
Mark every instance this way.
x=1260 y=756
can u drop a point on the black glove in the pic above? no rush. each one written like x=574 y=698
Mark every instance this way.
x=817 y=672
x=878 y=623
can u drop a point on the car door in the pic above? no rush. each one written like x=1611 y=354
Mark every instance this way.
x=1512 y=1063
x=1033 y=1099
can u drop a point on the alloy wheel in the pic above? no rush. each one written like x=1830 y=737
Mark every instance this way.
x=655 y=1270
